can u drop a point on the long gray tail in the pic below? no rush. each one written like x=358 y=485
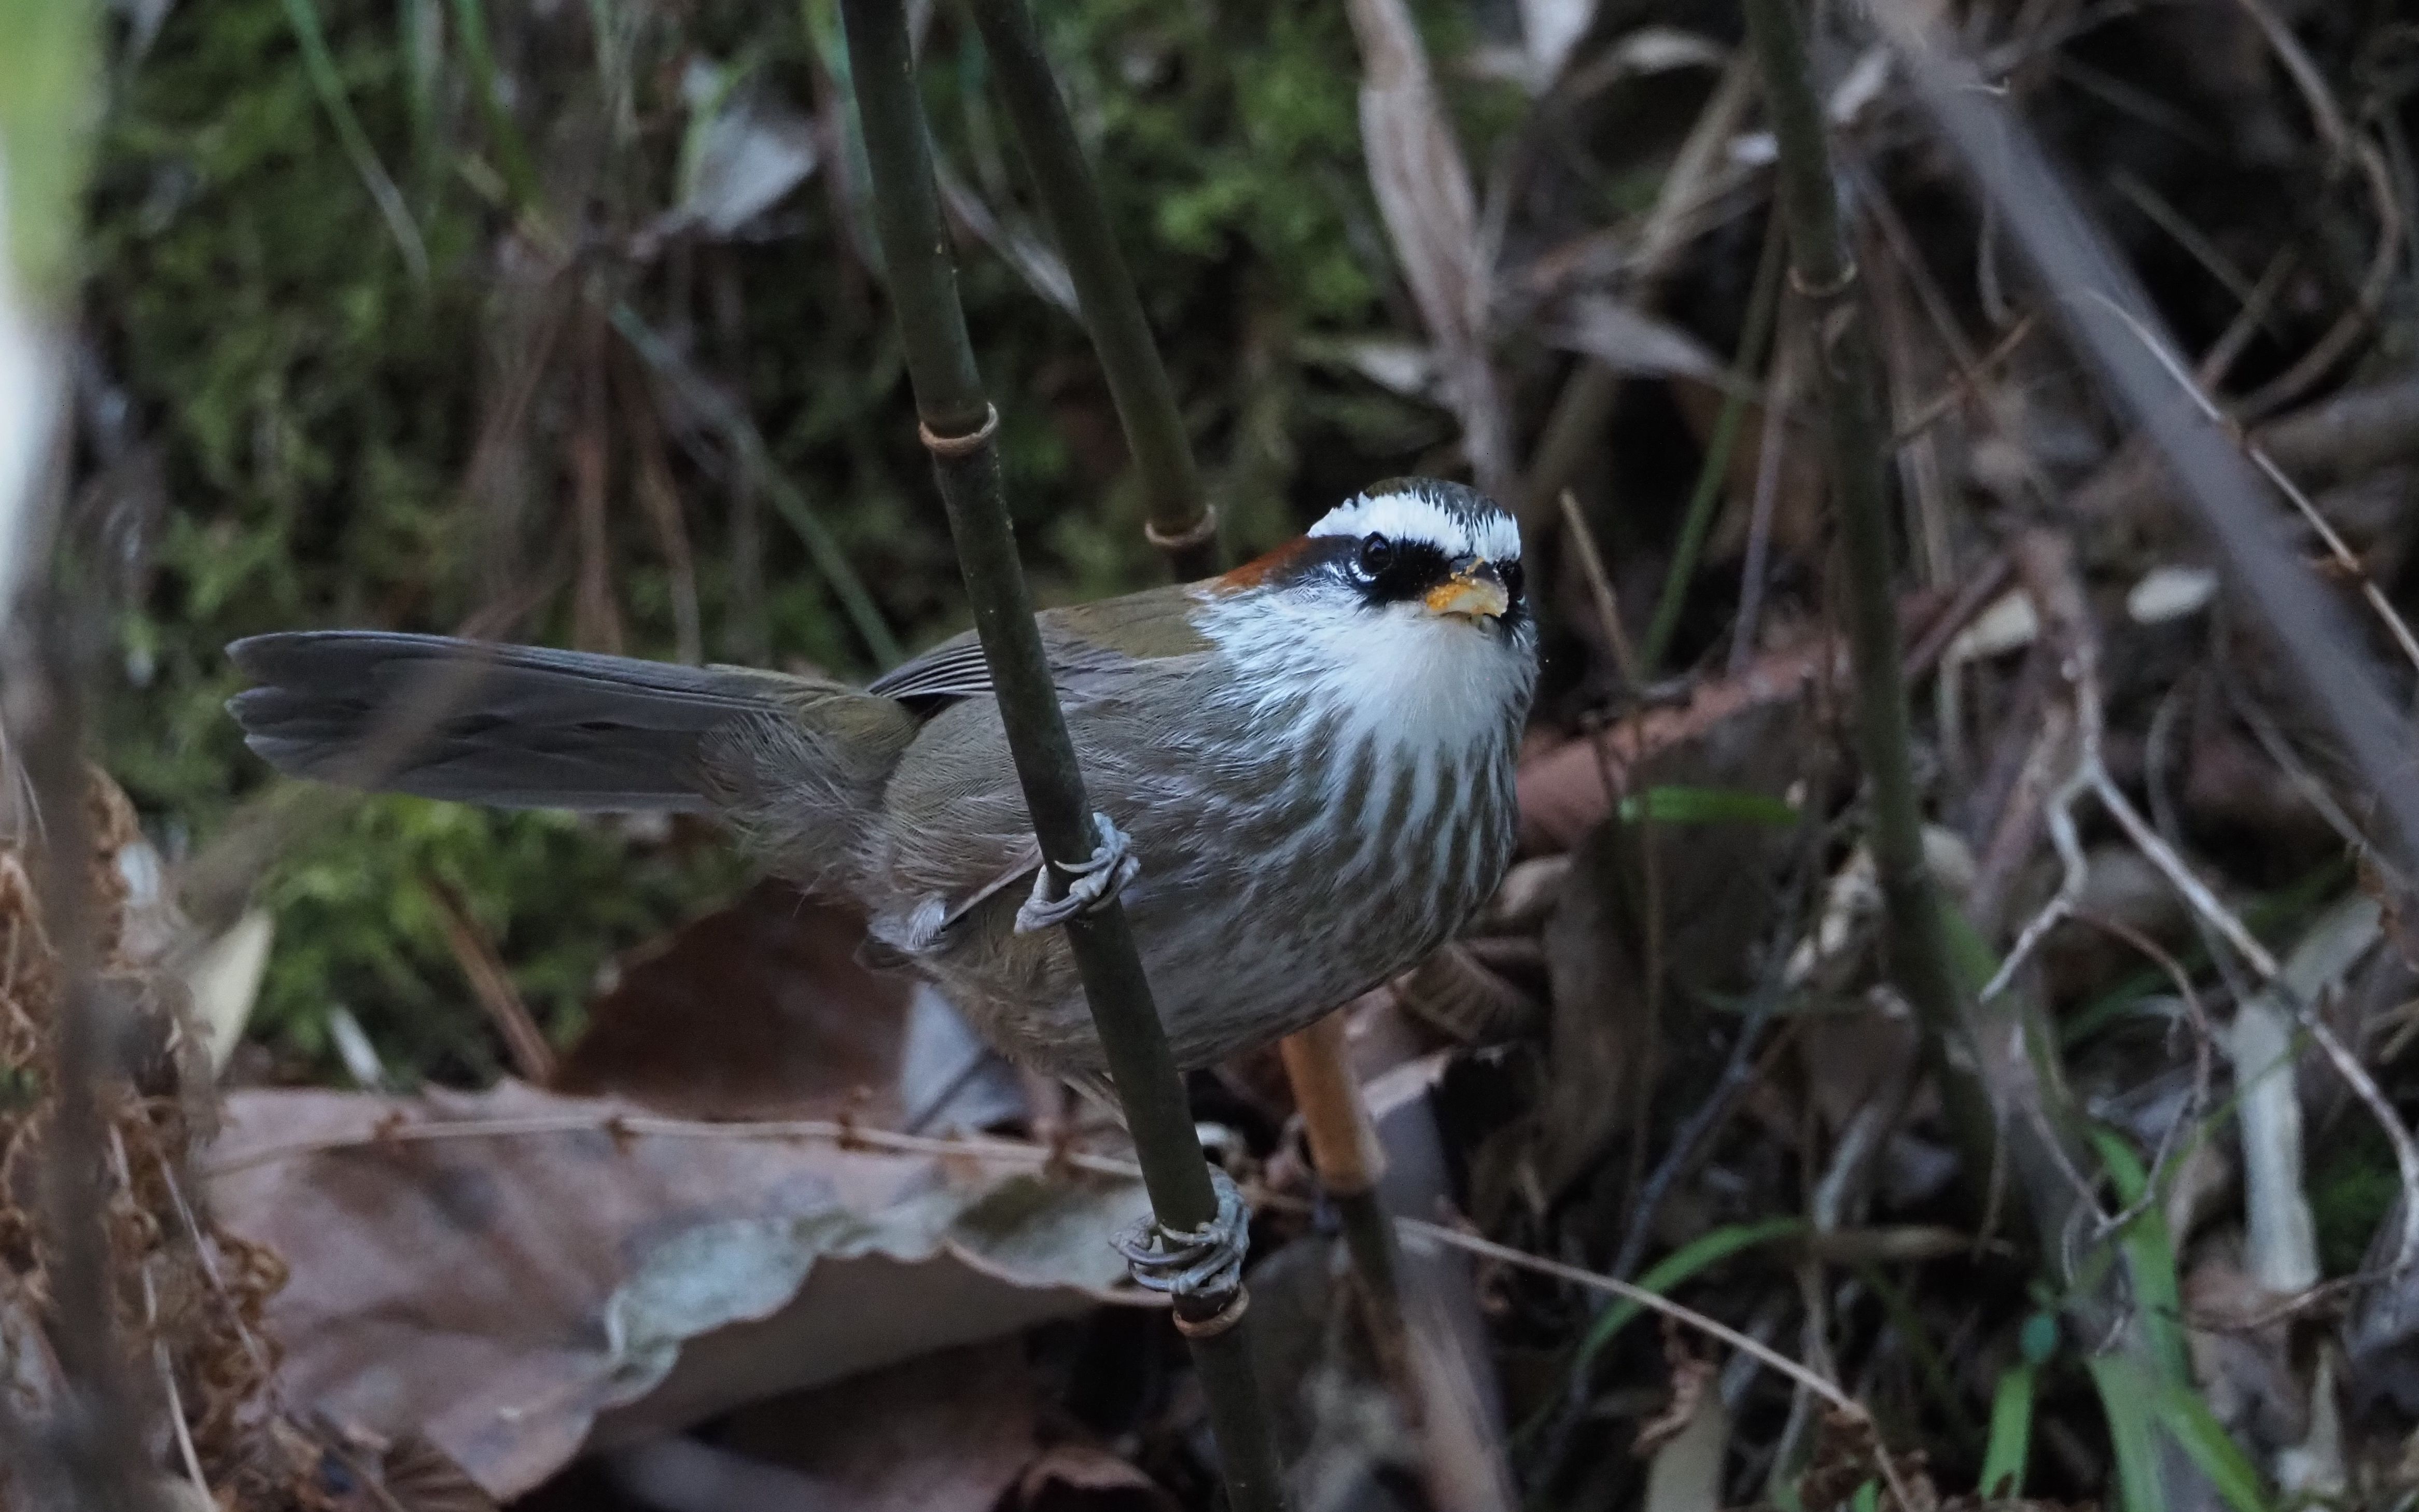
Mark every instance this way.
x=517 y=726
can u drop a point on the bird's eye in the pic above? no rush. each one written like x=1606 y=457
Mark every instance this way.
x=1513 y=578
x=1377 y=555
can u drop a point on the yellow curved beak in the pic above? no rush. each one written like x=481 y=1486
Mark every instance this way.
x=1475 y=592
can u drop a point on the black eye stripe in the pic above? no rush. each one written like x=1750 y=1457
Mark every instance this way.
x=1413 y=568
x=1408 y=570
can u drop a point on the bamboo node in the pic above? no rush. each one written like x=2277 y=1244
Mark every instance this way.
x=1200 y=532
x=1219 y=1321
x=1820 y=292
x=952 y=448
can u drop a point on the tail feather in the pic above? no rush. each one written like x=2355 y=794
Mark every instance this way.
x=510 y=726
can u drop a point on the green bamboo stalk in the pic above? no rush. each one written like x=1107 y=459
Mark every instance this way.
x=1920 y=962
x=1183 y=527
x=955 y=415
x=1181 y=524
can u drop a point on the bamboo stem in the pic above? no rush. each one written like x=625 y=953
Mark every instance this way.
x=1181 y=524
x=1343 y=1148
x=958 y=423
x=1825 y=278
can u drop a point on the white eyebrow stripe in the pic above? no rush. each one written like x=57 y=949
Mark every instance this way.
x=1408 y=515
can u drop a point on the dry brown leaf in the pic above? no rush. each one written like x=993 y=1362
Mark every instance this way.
x=1686 y=1442
x=760 y=1010
x=1461 y=998
x=424 y=1478
x=1422 y=185
x=1628 y=340
x=517 y=1296
x=1081 y=1477
x=950 y=1432
x=1851 y=1056
x=1598 y=1031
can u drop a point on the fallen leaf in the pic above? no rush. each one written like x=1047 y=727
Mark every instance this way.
x=759 y=1010
x=952 y=1433
x=1685 y=1445
x=747 y=150
x=420 y=1477
x=1081 y=1477
x=1628 y=340
x=1455 y=993
x=565 y=1274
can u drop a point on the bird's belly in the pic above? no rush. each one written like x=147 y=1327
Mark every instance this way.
x=1253 y=924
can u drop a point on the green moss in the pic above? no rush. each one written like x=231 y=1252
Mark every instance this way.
x=2352 y=1183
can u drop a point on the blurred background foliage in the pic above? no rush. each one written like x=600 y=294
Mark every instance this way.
x=435 y=316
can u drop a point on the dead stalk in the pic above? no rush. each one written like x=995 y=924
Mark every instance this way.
x=1839 y=1402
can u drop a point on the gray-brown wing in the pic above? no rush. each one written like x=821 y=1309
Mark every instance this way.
x=953 y=669
x=1087 y=643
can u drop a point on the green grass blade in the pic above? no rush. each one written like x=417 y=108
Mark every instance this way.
x=1708 y=806
x=1700 y=1253
x=2011 y=1435
x=789 y=500
x=2150 y=1262
x=319 y=66
x=2126 y=1399
x=511 y=152
x=2213 y=1451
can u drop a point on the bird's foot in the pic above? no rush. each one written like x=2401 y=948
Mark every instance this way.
x=1199 y=1265
x=1089 y=884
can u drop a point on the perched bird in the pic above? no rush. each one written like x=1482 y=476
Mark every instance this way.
x=1312 y=757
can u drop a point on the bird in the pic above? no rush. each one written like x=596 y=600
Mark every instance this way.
x=1303 y=766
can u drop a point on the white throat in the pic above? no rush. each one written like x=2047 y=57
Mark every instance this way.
x=1401 y=675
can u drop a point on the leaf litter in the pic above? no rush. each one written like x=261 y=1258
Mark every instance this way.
x=1667 y=1054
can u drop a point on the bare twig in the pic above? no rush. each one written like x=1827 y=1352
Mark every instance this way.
x=1841 y=1402
x=2108 y=317
x=2342 y=437
x=2341 y=142
x=1599 y=583
x=648 y=1126
x=1779 y=394
x=491 y=983
x=2351 y=564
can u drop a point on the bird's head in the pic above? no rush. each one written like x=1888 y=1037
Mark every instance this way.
x=1411 y=590
x=1411 y=549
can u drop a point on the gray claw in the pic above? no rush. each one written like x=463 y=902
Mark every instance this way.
x=1091 y=882
x=1200 y=1262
